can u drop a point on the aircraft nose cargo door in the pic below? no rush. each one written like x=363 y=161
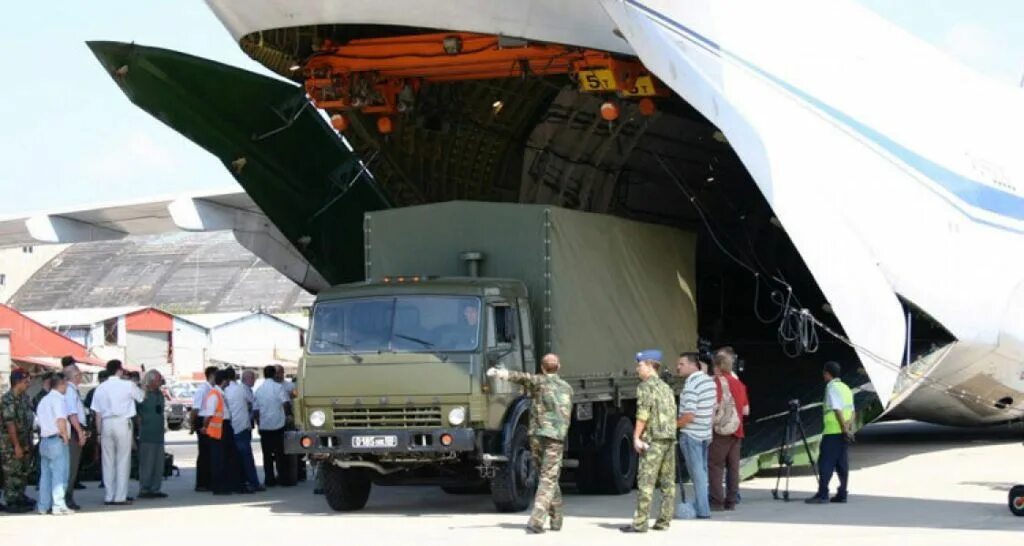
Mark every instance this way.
x=767 y=129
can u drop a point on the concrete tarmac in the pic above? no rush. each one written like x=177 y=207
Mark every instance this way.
x=912 y=484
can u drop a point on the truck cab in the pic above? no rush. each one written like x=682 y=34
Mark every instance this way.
x=393 y=386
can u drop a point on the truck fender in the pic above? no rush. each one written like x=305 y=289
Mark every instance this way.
x=516 y=411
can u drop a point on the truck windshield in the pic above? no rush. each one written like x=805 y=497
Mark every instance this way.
x=407 y=324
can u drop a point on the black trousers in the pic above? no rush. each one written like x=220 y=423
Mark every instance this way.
x=203 y=460
x=833 y=459
x=272 y=444
x=223 y=461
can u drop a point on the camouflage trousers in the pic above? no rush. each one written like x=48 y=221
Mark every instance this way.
x=16 y=473
x=547 y=459
x=657 y=468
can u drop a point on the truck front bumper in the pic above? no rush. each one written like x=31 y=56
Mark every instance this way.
x=380 y=441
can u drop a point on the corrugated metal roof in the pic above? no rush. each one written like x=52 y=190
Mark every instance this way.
x=178 y=272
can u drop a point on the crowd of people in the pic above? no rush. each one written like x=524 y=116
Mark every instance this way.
x=224 y=411
x=705 y=427
x=124 y=415
x=60 y=415
x=65 y=423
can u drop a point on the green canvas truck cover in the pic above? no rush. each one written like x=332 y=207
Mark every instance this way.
x=601 y=288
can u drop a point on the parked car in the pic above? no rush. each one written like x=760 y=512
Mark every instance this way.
x=179 y=403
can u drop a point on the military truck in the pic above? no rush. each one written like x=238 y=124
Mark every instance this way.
x=393 y=387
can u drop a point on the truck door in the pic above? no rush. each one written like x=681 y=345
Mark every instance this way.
x=504 y=346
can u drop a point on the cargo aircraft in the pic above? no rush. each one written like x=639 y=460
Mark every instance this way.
x=858 y=194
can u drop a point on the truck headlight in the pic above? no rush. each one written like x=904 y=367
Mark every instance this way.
x=317 y=418
x=457 y=416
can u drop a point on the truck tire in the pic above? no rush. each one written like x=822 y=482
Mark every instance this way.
x=346 y=489
x=515 y=482
x=1017 y=500
x=617 y=461
x=174 y=426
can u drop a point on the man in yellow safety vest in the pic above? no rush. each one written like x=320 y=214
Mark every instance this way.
x=838 y=415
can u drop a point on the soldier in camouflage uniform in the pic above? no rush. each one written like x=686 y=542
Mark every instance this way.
x=654 y=438
x=16 y=442
x=550 y=413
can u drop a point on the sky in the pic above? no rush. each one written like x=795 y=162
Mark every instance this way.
x=71 y=139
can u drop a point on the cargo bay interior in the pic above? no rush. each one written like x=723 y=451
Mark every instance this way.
x=498 y=119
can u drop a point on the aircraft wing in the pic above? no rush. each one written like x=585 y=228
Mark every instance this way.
x=224 y=209
x=290 y=162
x=102 y=221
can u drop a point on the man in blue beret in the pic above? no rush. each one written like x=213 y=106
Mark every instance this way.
x=654 y=439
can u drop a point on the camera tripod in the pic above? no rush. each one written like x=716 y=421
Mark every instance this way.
x=794 y=431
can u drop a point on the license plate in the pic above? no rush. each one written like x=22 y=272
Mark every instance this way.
x=374 y=441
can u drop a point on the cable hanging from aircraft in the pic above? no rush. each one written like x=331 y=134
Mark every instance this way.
x=796 y=334
x=797 y=331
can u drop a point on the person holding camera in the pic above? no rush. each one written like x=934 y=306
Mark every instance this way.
x=837 y=434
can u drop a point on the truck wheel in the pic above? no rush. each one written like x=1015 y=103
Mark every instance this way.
x=346 y=489
x=617 y=462
x=174 y=426
x=515 y=482
x=1017 y=500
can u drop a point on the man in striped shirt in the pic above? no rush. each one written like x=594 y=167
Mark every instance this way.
x=696 y=409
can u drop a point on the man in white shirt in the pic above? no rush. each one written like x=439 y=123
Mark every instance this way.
x=76 y=422
x=203 y=459
x=270 y=402
x=217 y=426
x=240 y=400
x=249 y=382
x=54 y=435
x=114 y=404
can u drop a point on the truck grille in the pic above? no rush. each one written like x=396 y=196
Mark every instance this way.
x=402 y=417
